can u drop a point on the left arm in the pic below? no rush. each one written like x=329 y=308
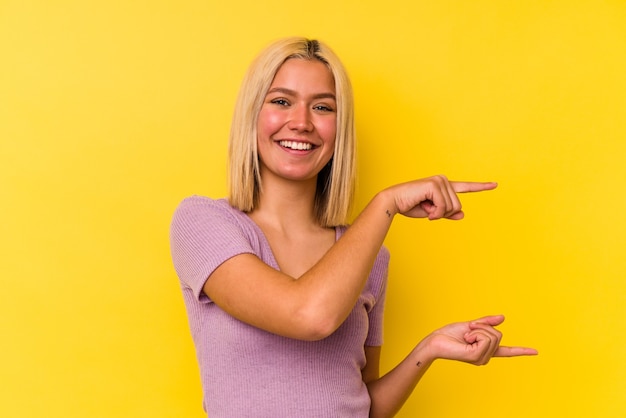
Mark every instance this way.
x=389 y=392
x=474 y=342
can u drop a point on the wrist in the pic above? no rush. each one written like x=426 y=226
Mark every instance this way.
x=424 y=354
x=387 y=202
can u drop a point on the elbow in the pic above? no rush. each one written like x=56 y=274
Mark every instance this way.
x=317 y=333
x=316 y=324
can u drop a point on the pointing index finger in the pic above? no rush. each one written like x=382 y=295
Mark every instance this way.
x=504 y=351
x=472 y=186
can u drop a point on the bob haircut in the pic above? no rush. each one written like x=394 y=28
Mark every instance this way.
x=336 y=181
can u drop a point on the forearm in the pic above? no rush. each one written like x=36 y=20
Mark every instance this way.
x=389 y=392
x=337 y=280
x=334 y=284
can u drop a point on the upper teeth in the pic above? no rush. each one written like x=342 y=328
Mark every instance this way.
x=295 y=145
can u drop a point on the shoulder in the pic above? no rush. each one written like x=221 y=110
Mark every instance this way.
x=201 y=208
x=200 y=218
x=202 y=203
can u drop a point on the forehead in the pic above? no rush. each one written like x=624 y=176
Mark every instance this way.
x=303 y=74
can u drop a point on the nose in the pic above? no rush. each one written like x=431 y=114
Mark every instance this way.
x=300 y=119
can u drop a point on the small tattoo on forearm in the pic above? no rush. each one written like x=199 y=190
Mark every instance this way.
x=388 y=213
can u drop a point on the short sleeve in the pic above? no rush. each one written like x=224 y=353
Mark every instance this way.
x=203 y=234
x=378 y=287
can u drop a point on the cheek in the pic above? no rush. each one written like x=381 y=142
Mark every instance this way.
x=268 y=122
x=328 y=130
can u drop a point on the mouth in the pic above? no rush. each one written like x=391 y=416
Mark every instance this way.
x=295 y=145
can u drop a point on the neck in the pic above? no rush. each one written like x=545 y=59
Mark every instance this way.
x=286 y=205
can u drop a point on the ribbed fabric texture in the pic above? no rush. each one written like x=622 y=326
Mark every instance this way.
x=248 y=372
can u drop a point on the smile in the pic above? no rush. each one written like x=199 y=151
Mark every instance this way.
x=299 y=146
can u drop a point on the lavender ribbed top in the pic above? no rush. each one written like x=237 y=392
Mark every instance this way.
x=248 y=372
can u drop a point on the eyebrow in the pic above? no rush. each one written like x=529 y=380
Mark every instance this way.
x=293 y=93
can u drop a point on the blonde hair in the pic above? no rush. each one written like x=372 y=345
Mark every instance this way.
x=335 y=183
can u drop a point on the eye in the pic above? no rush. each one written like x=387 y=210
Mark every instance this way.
x=323 y=108
x=280 y=102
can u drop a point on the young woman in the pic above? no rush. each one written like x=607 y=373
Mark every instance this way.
x=285 y=302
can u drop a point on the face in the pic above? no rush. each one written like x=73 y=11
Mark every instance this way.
x=297 y=122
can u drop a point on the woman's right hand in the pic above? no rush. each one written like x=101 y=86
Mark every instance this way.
x=433 y=197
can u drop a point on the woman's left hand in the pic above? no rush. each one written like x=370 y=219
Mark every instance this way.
x=474 y=342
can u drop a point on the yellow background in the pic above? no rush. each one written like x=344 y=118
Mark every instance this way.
x=112 y=111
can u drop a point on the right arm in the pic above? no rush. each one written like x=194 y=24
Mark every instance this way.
x=314 y=305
